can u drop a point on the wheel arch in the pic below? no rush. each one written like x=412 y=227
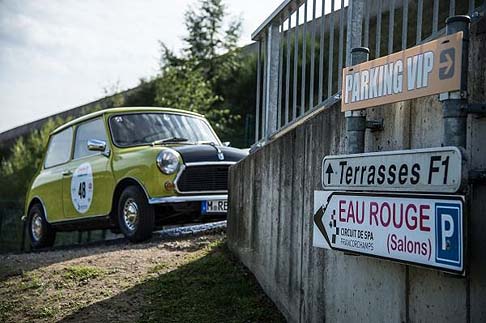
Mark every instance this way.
x=33 y=201
x=120 y=186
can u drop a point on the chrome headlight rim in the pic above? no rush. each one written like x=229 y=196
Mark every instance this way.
x=168 y=161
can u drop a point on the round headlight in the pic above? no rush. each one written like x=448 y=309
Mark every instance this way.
x=168 y=161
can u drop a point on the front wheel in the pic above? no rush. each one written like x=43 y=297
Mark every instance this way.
x=135 y=215
x=41 y=233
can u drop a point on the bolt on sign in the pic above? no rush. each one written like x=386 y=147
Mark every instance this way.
x=427 y=69
x=422 y=230
x=418 y=170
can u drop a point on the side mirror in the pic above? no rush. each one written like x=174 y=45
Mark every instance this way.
x=226 y=143
x=96 y=145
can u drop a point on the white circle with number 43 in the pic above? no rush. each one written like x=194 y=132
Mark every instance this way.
x=82 y=188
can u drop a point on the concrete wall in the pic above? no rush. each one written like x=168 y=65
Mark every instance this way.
x=270 y=220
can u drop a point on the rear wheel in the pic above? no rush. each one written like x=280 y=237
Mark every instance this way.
x=41 y=233
x=135 y=215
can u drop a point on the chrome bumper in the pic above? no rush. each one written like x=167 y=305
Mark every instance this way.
x=182 y=199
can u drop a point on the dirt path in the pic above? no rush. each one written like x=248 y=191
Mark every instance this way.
x=72 y=284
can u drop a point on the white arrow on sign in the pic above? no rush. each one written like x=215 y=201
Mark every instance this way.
x=422 y=230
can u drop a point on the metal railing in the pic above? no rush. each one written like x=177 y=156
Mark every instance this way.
x=304 y=44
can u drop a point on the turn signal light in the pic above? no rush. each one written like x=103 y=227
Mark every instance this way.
x=169 y=186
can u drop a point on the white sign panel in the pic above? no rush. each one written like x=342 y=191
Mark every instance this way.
x=419 y=170
x=423 y=230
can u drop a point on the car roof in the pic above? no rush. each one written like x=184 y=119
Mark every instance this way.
x=122 y=110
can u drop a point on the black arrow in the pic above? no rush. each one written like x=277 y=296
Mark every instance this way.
x=318 y=221
x=329 y=171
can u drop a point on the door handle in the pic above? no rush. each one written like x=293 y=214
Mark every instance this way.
x=67 y=173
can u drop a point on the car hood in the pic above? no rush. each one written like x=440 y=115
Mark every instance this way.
x=209 y=153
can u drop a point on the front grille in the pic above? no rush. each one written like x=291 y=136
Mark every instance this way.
x=204 y=178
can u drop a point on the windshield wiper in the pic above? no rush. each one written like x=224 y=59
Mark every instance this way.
x=211 y=143
x=169 y=140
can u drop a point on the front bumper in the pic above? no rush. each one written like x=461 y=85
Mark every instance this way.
x=184 y=199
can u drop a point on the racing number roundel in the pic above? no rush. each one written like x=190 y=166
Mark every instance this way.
x=82 y=188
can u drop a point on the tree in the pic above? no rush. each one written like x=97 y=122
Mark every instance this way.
x=209 y=43
x=191 y=81
x=25 y=158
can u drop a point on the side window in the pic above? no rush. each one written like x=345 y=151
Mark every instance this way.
x=94 y=129
x=59 y=150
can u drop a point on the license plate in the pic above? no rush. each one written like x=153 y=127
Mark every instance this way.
x=216 y=206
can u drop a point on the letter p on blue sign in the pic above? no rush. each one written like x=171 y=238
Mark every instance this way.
x=448 y=234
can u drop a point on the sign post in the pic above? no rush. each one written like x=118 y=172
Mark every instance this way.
x=397 y=205
x=455 y=100
x=356 y=120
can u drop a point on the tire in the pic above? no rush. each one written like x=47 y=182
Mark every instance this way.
x=41 y=233
x=135 y=215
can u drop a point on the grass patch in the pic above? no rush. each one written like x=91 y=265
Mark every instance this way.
x=5 y=309
x=31 y=281
x=159 y=267
x=46 y=312
x=82 y=274
x=212 y=287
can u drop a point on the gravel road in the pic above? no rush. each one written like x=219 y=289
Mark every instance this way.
x=55 y=285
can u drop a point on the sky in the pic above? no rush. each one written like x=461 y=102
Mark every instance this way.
x=59 y=54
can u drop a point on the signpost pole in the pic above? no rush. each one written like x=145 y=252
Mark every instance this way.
x=356 y=119
x=455 y=103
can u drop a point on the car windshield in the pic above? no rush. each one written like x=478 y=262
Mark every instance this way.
x=146 y=128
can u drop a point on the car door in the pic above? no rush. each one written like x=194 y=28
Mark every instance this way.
x=49 y=181
x=88 y=190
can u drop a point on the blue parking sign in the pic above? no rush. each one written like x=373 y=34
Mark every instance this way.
x=448 y=234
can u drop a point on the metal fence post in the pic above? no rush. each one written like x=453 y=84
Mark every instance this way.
x=272 y=70
x=455 y=103
x=354 y=31
x=356 y=120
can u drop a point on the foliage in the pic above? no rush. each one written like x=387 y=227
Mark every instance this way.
x=211 y=287
x=183 y=87
x=81 y=273
x=20 y=164
x=211 y=77
x=25 y=158
x=143 y=96
x=191 y=81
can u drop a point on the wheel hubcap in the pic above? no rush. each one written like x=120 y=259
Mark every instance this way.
x=130 y=214
x=36 y=226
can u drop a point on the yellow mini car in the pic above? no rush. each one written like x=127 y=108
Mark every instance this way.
x=129 y=169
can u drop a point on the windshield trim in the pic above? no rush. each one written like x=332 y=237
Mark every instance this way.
x=203 y=119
